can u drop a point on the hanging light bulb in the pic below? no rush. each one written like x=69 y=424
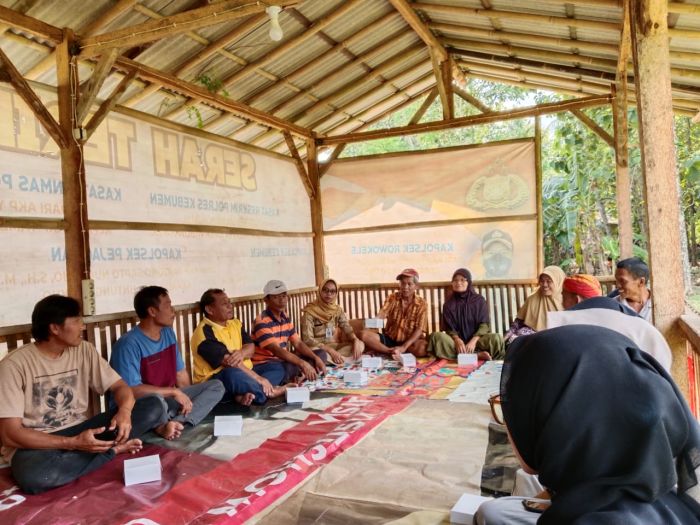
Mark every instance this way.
x=273 y=12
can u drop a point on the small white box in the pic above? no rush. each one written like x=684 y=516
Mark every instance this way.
x=372 y=362
x=408 y=360
x=464 y=510
x=142 y=470
x=357 y=377
x=467 y=359
x=228 y=425
x=374 y=322
x=299 y=394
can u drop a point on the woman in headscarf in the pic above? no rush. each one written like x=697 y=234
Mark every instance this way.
x=532 y=316
x=325 y=326
x=465 y=324
x=603 y=426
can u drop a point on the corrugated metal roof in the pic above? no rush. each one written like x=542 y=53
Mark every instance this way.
x=329 y=79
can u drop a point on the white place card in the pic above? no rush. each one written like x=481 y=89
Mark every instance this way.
x=374 y=322
x=408 y=360
x=356 y=377
x=228 y=425
x=299 y=394
x=467 y=359
x=372 y=362
x=142 y=470
x=464 y=510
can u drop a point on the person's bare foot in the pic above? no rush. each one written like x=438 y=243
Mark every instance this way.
x=279 y=391
x=244 y=399
x=170 y=430
x=132 y=447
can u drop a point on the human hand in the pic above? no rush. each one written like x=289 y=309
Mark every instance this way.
x=357 y=348
x=266 y=386
x=122 y=422
x=321 y=366
x=308 y=371
x=484 y=356
x=471 y=345
x=398 y=350
x=183 y=400
x=233 y=360
x=87 y=442
x=335 y=356
x=460 y=346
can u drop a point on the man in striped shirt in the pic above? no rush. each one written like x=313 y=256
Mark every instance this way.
x=273 y=332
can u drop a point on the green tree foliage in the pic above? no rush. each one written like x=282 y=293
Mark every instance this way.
x=579 y=195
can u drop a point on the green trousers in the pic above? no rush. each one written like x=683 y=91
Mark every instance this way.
x=443 y=346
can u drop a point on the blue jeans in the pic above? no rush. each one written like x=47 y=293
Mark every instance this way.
x=236 y=382
x=37 y=471
x=278 y=372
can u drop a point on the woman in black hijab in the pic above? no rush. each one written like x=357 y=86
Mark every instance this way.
x=465 y=321
x=604 y=427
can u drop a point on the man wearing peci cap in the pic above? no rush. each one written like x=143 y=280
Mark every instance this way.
x=579 y=287
x=406 y=317
x=273 y=332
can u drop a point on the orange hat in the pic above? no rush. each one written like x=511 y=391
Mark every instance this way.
x=584 y=285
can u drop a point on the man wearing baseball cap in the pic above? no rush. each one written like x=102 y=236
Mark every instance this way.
x=406 y=317
x=579 y=287
x=273 y=332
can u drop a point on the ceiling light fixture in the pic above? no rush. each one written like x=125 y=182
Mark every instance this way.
x=273 y=12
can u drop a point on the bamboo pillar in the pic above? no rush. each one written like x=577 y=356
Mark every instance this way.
x=73 y=175
x=653 y=86
x=316 y=211
x=623 y=186
x=538 y=200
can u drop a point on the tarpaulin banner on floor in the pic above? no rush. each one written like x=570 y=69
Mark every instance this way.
x=198 y=489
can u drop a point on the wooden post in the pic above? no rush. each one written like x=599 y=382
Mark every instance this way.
x=622 y=173
x=538 y=200
x=653 y=86
x=75 y=210
x=316 y=211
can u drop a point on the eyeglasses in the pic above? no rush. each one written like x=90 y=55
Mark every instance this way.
x=328 y=291
x=496 y=410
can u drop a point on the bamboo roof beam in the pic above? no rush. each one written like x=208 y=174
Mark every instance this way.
x=378 y=71
x=512 y=15
x=397 y=93
x=107 y=16
x=168 y=26
x=90 y=89
x=9 y=73
x=210 y=49
x=471 y=99
x=301 y=168
x=496 y=116
x=344 y=70
x=31 y=25
x=432 y=95
x=443 y=75
x=338 y=48
x=213 y=99
x=524 y=38
x=594 y=127
x=413 y=20
x=109 y=104
x=415 y=119
x=682 y=8
x=279 y=50
x=275 y=53
x=537 y=85
x=696 y=118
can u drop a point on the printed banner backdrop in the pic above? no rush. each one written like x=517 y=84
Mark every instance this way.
x=490 y=183
x=498 y=251
x=140 y=172
x=473 y=182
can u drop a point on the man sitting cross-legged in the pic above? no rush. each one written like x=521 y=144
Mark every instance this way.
x=45 y=389
x=406 y=316
x=222 y=350
x=273 y=331
x=148 y=359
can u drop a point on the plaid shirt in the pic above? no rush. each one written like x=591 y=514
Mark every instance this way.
x=400 y=323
